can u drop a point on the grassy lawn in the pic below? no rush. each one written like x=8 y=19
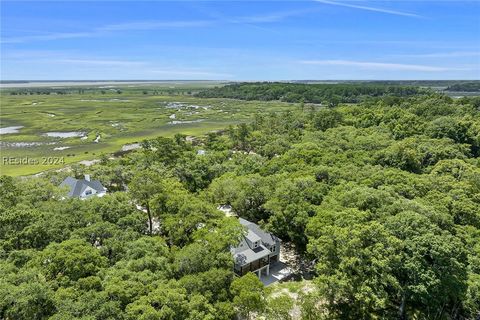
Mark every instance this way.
x=105 y=122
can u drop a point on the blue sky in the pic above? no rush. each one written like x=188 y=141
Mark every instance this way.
x=240 y=40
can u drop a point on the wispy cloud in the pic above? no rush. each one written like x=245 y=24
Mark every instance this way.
x=369 y=8
x=454 y=54
x=48 y=36
x=190 y=73
x=108 y=29
x=96 y=62
x=271 y=16
x=215 y=18
x=153 y=25
x=378 y=65
x=142 y=69
x=251 y=21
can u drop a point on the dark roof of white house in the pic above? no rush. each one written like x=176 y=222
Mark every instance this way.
x=78 y=186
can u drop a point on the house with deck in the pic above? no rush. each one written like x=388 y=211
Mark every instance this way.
x=83 y=188
x=257 y=252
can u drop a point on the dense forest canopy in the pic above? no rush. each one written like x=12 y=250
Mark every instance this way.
x=313 y=93
x=382 y=196
x=473 y=86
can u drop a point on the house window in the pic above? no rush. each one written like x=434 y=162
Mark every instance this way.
x=255 y=244
x=88 y=192
x=272 y=248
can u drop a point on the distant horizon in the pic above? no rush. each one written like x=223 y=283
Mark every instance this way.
x=226 y=80
x=14 y=84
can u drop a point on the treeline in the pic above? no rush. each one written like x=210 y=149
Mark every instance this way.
x=140 y=90
x=473 y=86
x=311 y=93
x=382 y=196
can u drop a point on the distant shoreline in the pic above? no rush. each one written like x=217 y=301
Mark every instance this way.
x=78 y=83
x=7 y=84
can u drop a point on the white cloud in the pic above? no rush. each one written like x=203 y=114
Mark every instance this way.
x=189 y=73
x=442 y=54
x=109 y=67
x=377 y=65
x=107 y=29
x=153 y=25
x=95 y=62
x=368 y=8
x=270 y=17
x=48 y=36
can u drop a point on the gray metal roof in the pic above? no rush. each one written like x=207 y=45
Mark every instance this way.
x=249 y=255
x=252 y=236
x=266 y=237
x=78 y=186
x=245 y=252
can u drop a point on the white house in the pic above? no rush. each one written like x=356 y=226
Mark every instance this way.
x=83 y=188
x=257 y=251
